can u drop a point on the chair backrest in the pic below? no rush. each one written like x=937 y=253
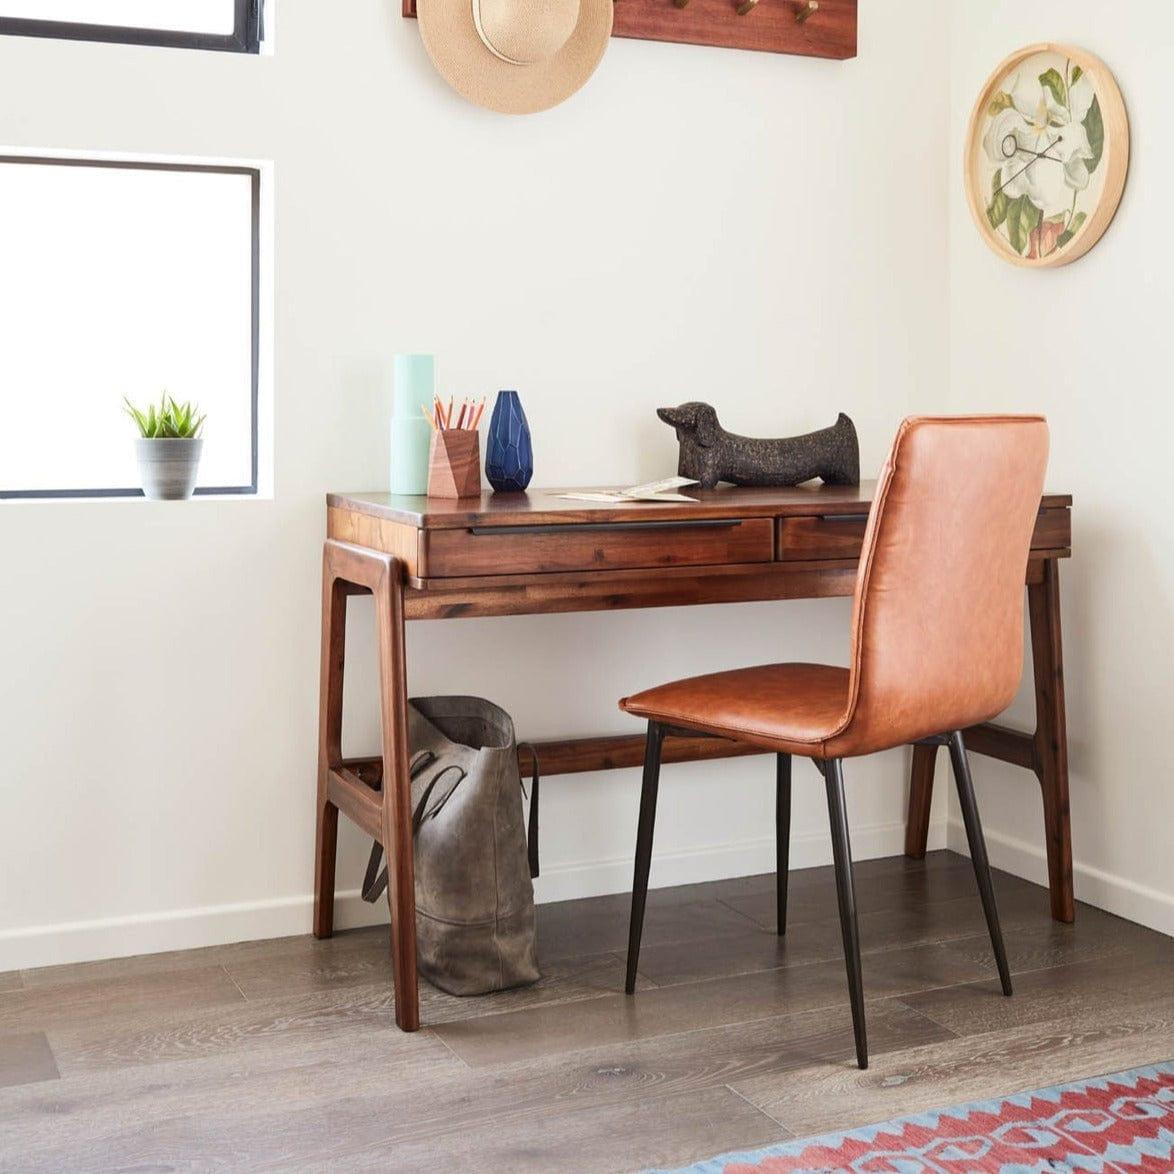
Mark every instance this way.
x=937 y=633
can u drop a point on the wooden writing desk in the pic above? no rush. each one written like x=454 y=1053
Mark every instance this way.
x=520 y=554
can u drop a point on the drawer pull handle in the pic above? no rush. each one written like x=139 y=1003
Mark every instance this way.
x=606 y=527
x=843 y=517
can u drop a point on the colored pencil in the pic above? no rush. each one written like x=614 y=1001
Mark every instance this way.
x=446 y=419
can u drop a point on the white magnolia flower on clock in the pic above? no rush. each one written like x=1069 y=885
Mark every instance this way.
x=1035 y=129
x=1035 y=102
x=1075 y=148
x=1009 y=142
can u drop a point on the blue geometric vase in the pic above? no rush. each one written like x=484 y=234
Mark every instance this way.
x=509 y=458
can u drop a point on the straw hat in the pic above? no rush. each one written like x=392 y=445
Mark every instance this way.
x=515 y=56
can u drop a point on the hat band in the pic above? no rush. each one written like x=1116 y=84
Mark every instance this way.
x=485 y=39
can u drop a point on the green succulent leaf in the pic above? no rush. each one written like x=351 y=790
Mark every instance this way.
x=1094 y=125
x=1051 y=80
x=137 y=416
x=167 y=419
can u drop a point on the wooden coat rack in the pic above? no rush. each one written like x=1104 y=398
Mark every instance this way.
x=806 y=28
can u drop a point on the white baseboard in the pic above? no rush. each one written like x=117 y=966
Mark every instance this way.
x=175 y=929
x=1115 y=894
x=185 y=929
x=597 y=878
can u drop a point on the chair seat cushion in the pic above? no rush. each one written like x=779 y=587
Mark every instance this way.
x=795 y=708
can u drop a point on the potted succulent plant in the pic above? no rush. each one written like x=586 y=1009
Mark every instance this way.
x=168 y=447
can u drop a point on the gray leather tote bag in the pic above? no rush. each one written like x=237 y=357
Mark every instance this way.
x=474 y=896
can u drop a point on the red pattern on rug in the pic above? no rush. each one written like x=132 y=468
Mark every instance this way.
x=1117 y=1123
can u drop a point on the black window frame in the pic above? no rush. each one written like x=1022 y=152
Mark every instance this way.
x=254 y=174
x=245 y=37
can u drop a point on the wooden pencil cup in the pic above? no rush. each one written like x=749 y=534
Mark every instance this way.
x=454 y=463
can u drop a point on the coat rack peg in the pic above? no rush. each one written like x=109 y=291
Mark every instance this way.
x=805 y=10
x=746 y=6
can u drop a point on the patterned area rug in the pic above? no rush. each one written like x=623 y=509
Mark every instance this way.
x=1121 y=1123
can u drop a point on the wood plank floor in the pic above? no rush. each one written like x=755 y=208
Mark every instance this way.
x=282 y=1054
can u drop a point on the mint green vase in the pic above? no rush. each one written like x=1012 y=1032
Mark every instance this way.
x=411 y=434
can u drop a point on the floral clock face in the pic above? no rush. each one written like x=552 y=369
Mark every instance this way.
x=1047 y=154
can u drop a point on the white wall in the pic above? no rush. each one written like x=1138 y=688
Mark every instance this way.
x=1091 y=345
x=696 y=224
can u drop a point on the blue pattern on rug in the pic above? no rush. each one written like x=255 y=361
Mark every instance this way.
x=1148 y=1153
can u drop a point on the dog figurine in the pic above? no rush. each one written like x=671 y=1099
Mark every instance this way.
x=710 y=454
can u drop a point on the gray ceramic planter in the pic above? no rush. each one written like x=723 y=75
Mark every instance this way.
x=167 y=468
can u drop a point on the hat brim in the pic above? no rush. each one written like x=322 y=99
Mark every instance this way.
x=462 y=59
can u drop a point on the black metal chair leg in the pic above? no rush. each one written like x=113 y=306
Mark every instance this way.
x=652 y=749
x=782 y=836
x=845 y=891
x=978 y=856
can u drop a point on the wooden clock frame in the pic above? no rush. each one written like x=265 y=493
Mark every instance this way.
x=1115 y=159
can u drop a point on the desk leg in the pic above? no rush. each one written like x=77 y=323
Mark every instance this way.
x=329 y=743
x=345 y=569
x=1045 y=751
x=1051 y=735
x=920 y=797
x=397 y=795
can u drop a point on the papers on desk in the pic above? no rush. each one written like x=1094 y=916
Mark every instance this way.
x=652 y=491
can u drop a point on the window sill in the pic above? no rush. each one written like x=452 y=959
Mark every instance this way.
x=122 y=499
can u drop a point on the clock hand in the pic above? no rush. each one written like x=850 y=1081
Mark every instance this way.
x=1018 y=149
x=1035 y=155
x=1041 y=154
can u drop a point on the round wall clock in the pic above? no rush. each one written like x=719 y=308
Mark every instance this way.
x=1046 y=155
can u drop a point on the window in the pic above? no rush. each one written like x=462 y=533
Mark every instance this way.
x=125 y=278
x=231 y=25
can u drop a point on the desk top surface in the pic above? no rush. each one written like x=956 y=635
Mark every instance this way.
x=544 y=506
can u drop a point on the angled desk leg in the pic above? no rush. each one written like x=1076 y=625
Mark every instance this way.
x=1045 y=752
x=329 y=744
x=1051 y=735
x=347 y=570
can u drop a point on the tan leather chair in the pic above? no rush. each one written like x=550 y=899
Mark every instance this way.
x=937 y=646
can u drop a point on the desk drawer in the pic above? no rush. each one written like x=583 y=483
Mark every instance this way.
x=841 y=537
x=606 y=546
x=833 y=537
